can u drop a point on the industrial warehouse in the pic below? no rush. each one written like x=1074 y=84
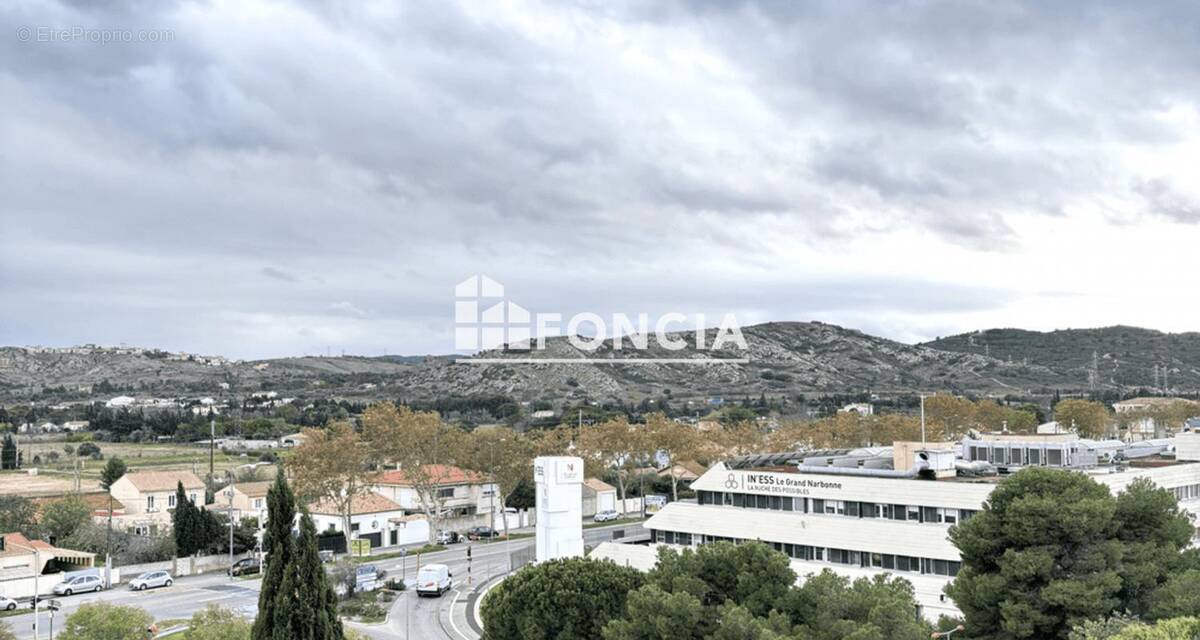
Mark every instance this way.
x=861 y=512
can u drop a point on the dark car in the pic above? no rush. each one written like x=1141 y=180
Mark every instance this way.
x=482 y=533
x=245 y=566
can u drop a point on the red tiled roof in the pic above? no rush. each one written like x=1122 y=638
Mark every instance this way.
x=439 y=474
x=369 y=502
x=16 y=544
x=164 y=480
x=97 y=502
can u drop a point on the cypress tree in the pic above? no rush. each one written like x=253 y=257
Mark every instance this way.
x=183 y=520
x=315 y=616
x=9 y=457
x=274 y=607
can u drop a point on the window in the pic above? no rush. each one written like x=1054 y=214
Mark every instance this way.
x=1035 y=456
x=171 y=501
x=446 y=493
x=670 y=537
x=868 y=510
x=258 y=503
x=354 y=527
x=192 y=497
x=899 y=511
x=149 y=503
x=852 y=509
x=929 y=514
x=914 y=514
x=818 y=505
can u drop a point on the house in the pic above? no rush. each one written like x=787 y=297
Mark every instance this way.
x=861 y=408
x=684 y=472
x=1143 y=424
x=249 y=500
x=458 y=492
x=149 y=497
x=374 y=518
x=75 y=425
x=97 y=503
x=293 y=440
x=120 y=401
x=21 y=557
x=598 y=496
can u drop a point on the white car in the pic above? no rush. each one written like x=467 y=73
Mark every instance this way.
x=605 y=516
x=79 y=584
x=150 y=580
x=7 y=604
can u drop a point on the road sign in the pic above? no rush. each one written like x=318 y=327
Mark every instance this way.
x=360 y=547
x=365 y=578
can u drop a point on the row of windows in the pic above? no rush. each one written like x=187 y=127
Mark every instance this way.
x=886 y=561
x=1187 y=492
x=850 y=508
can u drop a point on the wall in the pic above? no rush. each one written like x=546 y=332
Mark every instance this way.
x=21 y=588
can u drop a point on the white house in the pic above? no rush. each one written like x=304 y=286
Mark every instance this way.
x=861 y=408
x=120 y=401
x=458 y=492
x=373 y=518
x=292 y=440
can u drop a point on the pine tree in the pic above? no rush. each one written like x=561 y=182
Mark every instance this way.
x=273 y=610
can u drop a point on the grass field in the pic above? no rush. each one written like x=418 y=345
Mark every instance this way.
x=58 y=476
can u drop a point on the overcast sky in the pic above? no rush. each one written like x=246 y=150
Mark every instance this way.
x=280 y=179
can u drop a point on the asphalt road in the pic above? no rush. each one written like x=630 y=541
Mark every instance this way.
x=410 y=616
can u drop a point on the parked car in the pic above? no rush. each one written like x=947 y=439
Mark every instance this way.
x=79 y=584
x=151 y=580
x=433 y=579
x=448 y=537
x=326 y=555
x=245 y=567
x=605 y=516
x=481 y=533
x=7 y=604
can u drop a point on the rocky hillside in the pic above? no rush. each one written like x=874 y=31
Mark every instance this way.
x=784 y=357
x=1122 y=357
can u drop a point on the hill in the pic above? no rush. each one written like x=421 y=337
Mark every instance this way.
x=783 y=358
x=1123 y=357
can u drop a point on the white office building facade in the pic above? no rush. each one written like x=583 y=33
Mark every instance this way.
x=861 y=526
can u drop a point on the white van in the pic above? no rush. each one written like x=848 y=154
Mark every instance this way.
x=433 y=579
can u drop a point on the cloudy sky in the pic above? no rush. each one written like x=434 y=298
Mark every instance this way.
x=264 y=179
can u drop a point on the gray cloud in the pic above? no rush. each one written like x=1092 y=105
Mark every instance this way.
x=697 y=154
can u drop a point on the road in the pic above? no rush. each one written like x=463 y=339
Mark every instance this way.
x=443 y=617
x=187 y=596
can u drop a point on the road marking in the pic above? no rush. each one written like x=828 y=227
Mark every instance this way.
x=452 y=623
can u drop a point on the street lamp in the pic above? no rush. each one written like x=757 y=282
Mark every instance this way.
x=945 y=634
x=229 y=491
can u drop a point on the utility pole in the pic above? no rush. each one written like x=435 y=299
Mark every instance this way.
x=212 y=443
x=492 y=480
x=922 y=421
x=229 y=490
